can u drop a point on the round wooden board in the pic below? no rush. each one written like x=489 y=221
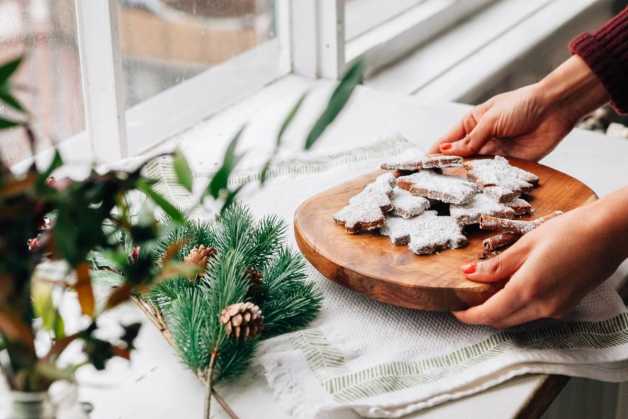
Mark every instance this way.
x=372 y=265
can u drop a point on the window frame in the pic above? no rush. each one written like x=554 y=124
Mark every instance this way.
x=379 y=46
x=115 y=132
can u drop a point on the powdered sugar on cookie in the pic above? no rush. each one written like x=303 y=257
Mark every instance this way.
x=426 y=233
x=363 y=216
x=406 y=205
x=448 y=189
x=498 y=172
x=480 y=204
x=415 y=159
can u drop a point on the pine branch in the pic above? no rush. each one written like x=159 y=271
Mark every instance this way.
x=291 y=302
x=164 y=294
x=189 y=323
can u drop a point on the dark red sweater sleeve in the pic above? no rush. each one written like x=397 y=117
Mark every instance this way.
x=606 y=53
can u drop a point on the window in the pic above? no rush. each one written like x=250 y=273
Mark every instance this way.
x=49 y=79
x=364 y=15
x=147 y=69
x=378 y=31
x=165 y=43
x=156 y=67
x=121 y=76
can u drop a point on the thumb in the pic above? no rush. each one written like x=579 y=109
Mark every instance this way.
x=497 y=268
x=473 y=142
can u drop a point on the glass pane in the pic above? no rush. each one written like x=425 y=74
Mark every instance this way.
x=364 y=15
x=49 y=81
x=165 y=42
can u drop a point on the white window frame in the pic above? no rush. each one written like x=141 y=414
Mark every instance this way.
x=311 y=41
x=379 y=46
x=116 y=133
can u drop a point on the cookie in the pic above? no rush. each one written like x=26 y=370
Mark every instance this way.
x=500 y=193
x=498 y=172
x=379 y=192
x=399 y=229
x=448 y=189
x=415 y=159
x=385 y=182
x=488 y=222
x=520 y=206
x=425 y=234
x=371 y=195
x=480 y=204
x=406 y=205
x=360 y=217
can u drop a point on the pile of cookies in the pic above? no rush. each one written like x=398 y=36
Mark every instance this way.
x=418 y=202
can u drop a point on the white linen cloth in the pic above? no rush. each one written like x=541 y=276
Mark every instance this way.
x=382 y=361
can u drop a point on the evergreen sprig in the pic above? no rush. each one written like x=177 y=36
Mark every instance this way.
x=192 y=308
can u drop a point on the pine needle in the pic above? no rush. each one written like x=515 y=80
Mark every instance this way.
x=289 y=301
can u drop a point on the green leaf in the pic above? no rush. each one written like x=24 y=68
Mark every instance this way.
x=57 y=161
x=161 y=202
x=284 y=126
x=182 y=170
x=41 y=297
x=289 y=118
x=6 y=123
x=10 y=100
x=220 y=179
x=230 y=199
x=7 y=69
x=336 y=103
x=59 y=326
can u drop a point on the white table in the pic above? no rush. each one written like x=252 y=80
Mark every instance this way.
x=157 y=385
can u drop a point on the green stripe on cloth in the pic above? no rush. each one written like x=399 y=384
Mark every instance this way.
x=400 y=375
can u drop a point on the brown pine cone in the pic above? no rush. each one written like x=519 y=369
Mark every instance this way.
x=242 y=320
x=199 y=256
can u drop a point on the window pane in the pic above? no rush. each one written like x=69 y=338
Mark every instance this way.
x=49 y=80
x=364 y=15
x=166 y=42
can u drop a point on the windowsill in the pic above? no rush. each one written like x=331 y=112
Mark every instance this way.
x=457 y=64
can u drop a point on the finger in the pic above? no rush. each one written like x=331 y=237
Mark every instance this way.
x=526 y=314
x=473 y=142
x=454 y=135
x=501 y=305
x=497 y=268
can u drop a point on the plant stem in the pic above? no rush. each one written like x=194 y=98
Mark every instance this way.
x=210 y=379
x=223 y=403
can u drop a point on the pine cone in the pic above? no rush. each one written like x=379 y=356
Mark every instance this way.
x=199 y=256
x=256 y=291
x=242 y=320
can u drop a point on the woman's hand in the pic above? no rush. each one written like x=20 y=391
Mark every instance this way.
x=529 y=122
x=517 y=124
x=549 y=270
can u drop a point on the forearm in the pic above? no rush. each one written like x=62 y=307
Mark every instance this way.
x=610 y=217
x=573 y=88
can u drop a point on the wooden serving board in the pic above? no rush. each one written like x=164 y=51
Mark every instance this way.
x=372 y=265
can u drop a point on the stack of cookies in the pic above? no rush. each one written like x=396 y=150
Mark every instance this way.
x=419 y=203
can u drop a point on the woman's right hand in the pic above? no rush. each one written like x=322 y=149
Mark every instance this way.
x=529 y=122
x=518 y=124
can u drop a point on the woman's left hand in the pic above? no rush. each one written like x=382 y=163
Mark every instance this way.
x=549 y=270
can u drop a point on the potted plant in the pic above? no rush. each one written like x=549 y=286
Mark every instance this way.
x=48 y=223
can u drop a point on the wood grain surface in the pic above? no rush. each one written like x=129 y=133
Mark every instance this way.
x=372 y=265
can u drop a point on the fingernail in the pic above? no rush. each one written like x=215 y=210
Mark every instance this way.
x=469 y=268
x=445 y=147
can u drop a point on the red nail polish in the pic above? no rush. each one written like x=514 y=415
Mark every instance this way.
x=469 y=268
x=445 y=147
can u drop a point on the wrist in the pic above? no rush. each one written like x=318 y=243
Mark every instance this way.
x=572 y=89
x=610 y=222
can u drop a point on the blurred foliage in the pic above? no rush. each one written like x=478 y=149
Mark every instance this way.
x=86 y=224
